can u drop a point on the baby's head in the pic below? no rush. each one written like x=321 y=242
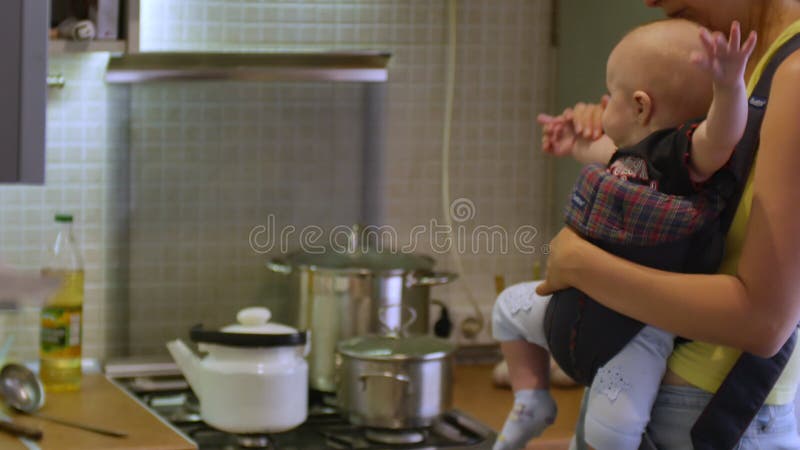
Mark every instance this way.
x=652 y=82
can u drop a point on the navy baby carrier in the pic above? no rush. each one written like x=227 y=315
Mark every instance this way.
x=678 y=234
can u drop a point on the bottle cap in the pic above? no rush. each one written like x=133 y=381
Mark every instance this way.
x=64 y=218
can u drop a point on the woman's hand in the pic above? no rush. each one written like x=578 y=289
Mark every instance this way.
x=560 y=133
x=588 y=118
x=564 y=248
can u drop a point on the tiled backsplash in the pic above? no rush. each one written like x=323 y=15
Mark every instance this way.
x=87 y=175
x=209 y=161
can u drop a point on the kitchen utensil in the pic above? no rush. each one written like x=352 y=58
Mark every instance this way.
x=443 y=326
x=338 y=295
x=255 y=377
x=23 y=391
x=6 y=348
x=395 y=381
x=21 y=431
x=6 y=425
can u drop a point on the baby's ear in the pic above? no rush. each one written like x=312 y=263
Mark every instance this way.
x=644 y=107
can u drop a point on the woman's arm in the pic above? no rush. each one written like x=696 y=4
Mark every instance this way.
x=755 y=311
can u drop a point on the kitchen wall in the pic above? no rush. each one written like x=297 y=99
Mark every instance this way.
x=588 y=31
x=166 y=222
x=210 y=161
x=87 y=175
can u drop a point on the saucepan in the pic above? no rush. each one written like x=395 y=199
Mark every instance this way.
x=395 y=381
x=338 y=295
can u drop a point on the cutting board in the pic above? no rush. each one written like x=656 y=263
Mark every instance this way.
x=102 y=404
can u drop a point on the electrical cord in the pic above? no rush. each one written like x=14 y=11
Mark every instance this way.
x=470 y=326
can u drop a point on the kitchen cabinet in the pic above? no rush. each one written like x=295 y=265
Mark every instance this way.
x=127 y=42
x=23 y=96
x=24 y=79
x=62 y=46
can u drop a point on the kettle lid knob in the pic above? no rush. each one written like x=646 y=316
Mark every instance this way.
x=254 y=316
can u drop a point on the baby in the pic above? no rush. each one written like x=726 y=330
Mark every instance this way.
x=656 y=197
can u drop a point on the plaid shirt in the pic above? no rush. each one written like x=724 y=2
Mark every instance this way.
x=606 y=208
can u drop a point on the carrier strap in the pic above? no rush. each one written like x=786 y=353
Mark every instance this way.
x=744 y=390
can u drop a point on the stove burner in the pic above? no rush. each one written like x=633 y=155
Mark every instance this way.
x=253 y=441
x=169 y=397
x=394 y=437
x=321 y=410
x=176 y=407
x=192 y=404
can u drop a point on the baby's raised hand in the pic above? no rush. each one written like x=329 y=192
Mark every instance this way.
x=725 y=60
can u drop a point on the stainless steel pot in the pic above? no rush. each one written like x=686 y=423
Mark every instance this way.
x=339 y=295
x=395 y=382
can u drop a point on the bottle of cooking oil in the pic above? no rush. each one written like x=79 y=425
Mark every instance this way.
x=61 y=323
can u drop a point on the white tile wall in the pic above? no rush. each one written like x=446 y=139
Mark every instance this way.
x=183 y=171
x=209 y=162
x=86 y=174
x=201 y=182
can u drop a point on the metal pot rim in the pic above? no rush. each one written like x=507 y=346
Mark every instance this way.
x=395 y=348
x=360 y=263
x=388 y=358
x=355 y=270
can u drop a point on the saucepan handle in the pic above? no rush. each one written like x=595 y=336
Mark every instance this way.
x=400 y=378
x=434 y=279
x=279 y=265
x=402 y=329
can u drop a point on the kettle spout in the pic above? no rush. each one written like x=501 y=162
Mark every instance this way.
x=189 y=364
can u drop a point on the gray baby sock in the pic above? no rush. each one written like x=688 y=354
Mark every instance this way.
x=533 y=411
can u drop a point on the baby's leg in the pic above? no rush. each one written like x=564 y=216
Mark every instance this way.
x=623 y=391
x=528 y=364
x=517 y=322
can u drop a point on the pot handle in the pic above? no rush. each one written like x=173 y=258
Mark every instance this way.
x=402 y=330
x=279 y=265
x=430 y=280
x=392 y=376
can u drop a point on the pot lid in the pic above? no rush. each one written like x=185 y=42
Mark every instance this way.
x=370 y=260
x=253 y=330
x=359 y=248
x=394 y=347
x=255 y=320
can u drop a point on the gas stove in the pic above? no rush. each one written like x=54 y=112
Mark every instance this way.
x=160 y=386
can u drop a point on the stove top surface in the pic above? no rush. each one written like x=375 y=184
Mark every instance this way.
x=172 y=399
x=330 y=430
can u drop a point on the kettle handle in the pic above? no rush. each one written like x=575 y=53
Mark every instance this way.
x=279 y=265
x=434 y=279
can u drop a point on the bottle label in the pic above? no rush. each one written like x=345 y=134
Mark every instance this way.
x=61 y=331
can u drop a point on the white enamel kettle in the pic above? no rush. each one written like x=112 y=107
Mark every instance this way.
x=255 y=377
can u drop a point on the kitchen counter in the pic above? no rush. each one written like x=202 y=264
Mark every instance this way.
x=474 y=394
x=102 y=404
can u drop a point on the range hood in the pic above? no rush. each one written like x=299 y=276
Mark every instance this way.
x=357 y=66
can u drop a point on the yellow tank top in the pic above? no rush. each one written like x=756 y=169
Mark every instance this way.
x=706 y=365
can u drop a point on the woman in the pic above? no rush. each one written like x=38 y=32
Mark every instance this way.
x=753 y=304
